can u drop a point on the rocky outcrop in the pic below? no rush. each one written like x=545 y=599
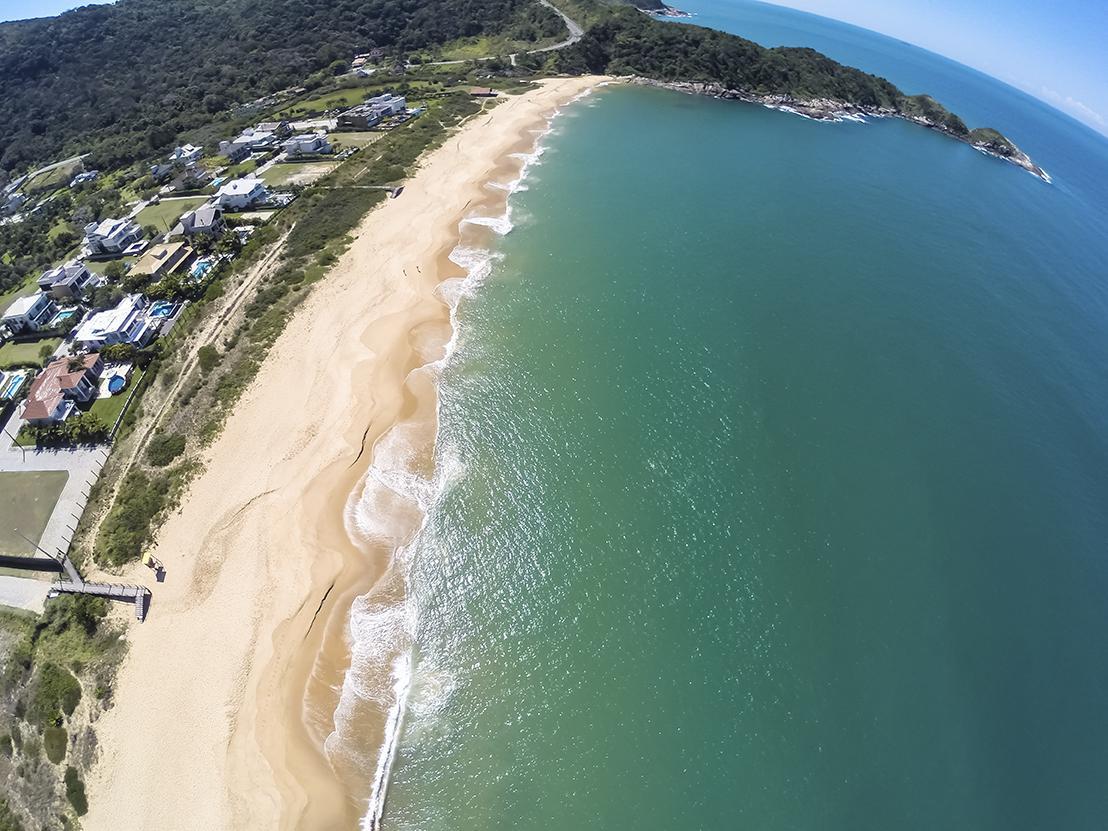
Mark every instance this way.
x=986 y=140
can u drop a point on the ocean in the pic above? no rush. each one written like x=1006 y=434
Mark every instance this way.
x=772 y=473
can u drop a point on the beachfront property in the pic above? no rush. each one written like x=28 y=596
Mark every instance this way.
x=67 y=282
x=207 y=219
x=126 y=323
x=160 y=260
x=241 y=194
x=57 y=390
x=112 y=238
x=29 y=314
x=482 y=92
x=368 y=115
x=307 y=144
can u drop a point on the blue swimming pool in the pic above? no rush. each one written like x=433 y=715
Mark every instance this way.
x=116 y=383
x=12 y=387
x=163 y=308
x=61 y=317
x=201 y=268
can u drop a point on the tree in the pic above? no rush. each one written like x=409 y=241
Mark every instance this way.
x=115 y=270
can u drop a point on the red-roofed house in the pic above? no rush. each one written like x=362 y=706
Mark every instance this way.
x=56 y=390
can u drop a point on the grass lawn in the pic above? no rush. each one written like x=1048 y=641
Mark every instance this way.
x=99 y=266
x=108 y=409
x=22 y=353
x=165 y=214
x=296 y=173
x=361 y=139
x=26 y=502
x=28 y=286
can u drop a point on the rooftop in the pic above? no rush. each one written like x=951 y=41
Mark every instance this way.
x=22 y=305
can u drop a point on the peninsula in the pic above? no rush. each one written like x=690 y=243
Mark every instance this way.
x=800 y=80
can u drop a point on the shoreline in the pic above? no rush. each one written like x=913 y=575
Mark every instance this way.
x=250 y=626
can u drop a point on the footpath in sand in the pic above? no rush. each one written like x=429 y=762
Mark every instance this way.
x=205 y=729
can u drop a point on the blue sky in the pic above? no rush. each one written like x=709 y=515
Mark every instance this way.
x=1056 y=50
x=21 y=9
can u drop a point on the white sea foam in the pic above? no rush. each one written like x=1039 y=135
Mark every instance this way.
x=381 y=630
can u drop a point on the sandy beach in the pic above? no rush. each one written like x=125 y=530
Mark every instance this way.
x=226 y=695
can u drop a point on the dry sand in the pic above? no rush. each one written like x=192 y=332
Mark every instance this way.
x=245 y=637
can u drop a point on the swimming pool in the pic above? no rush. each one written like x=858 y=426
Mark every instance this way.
x=12 y=386
x=62 y=317
x=163 y=308
x=116 y=383
x=201 y=268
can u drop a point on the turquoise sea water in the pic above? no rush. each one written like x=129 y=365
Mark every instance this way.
x=778 y=460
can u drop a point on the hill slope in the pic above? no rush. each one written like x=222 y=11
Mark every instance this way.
x=123 y=80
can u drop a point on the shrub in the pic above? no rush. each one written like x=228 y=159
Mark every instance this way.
x=164 y=448
x=55 y=692
x=208 y=357
x=75 y=791
x=54 y=742
x=126 y=528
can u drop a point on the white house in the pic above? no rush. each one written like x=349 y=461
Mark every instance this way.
x=81 y=178
x=387 y=104
x=111 y=237
x=29 y=313
x=307 y=144
x=241 y=194
x=126 y=323
x=186 y=155
x=67 y=282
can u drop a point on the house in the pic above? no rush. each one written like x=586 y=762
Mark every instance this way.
x=281 y=129
x=82 y=178
x=29 y=314
x=56 y=390
x=186 y=155
x=248 y=141
x=307 y=144
x=234 y=153
x=482 y=92
x=359 y=61
x=361 y=117
x=207 y=219
x=241 y=194
x=67 y=282
x=111 y=238
x=163 y=259
x=126 y=323
x=388 y=104
x=11 y=203
x=368 y=115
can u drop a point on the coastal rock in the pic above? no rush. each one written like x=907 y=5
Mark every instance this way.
x=987 y=141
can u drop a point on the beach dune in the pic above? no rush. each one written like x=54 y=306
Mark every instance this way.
x=222 y=703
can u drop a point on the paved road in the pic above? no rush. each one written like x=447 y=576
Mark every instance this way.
x=26 y=593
